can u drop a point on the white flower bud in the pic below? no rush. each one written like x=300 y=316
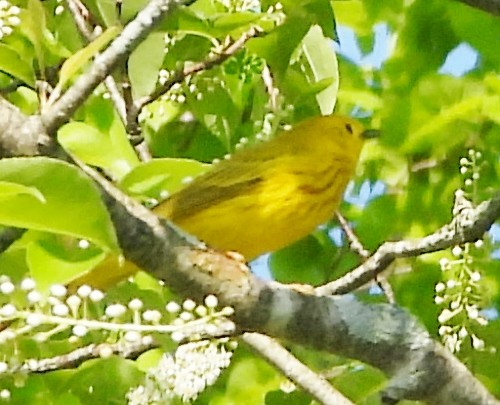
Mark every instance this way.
x=8 y=310
x=34 y=320
x=186 y=316
x=211 y=301
x=96 y=296
x=439 y=287
x=7 y=287
x=58 y=290
x=84 y=291
x=136 y=304
x=73 y=302
x=105 y=351
x=132 y=336
x=60 y=310
x=477 y=343
x=462 y=333
x=28 y=284
x=115 y=310
x=79 y=330
x=201 y=311
x=173 y=307
x=34 y=297
x=151 y=316
x=83 y=244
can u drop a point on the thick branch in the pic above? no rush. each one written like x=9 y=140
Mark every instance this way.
x=20 y=135
x=490 y=6
x=381 y=335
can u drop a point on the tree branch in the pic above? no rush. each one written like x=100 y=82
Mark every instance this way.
x=294 y=369
x=21 y=135
x=180 y=74
x=78 y=356
x=490 y=6
x=61 y=111
x=468 y=226
x=381 y=335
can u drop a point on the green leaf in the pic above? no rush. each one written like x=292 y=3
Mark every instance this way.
x=104 y=381
x=144 y=64
x=262 y=376
x=476 y=28
x=303 y=262
x=35 y=25
x=278 y=46
x=280 y=397
x=360 y=383
x=111 y=152
x=362 y=98
x=313 y=12
x=232 y=21
x=159 y=175
x=26 y=100
x=429 y=31
x=323 y=63
x=427 y=133
x=216 y=110
x=67 y=194
x=189 y=48
x=53 y=260
x=14 y=65
x=11 y=190
x=73 y=64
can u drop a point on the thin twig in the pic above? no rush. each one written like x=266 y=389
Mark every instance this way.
x=468 y=225
x=357 y=247
x=75 y=358
x=271 y=89
x=81 y=17
x=213 y=60
x=61 y=111
x=295 y=370
x=354 y=243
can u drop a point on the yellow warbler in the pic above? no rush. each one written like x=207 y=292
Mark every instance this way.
x=264 y=197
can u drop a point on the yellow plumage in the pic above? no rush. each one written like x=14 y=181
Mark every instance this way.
x=265 y=197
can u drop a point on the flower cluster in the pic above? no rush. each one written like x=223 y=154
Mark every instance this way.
x=30 y=313
x=189 y=371
x=460 y=294
x=9 y=18
x=469 y=168
x=194 y=365
x=241 y=5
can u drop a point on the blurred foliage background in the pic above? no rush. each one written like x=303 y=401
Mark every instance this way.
x=426 y=72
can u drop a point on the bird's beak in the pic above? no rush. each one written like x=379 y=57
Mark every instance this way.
x=370 y=133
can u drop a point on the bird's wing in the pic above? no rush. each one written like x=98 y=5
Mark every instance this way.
x=223 y=183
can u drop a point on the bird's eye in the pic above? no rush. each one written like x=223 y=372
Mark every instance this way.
x=349 y=128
